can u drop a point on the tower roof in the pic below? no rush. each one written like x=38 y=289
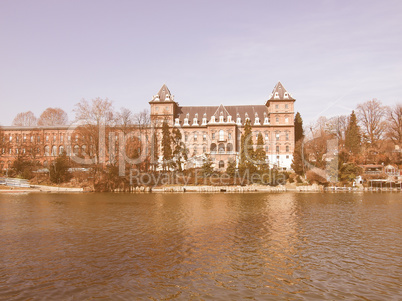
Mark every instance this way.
x=280 y=93
x=163 y=95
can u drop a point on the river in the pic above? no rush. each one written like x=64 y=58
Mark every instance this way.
x=288 y=246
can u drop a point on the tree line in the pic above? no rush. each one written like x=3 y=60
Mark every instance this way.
x=371 y=134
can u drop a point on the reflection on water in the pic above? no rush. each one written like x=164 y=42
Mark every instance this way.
x=200 y=246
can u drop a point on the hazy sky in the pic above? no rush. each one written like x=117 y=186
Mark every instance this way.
x=330 y=55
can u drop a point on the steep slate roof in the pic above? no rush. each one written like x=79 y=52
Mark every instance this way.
x=233 y=111
x=162 y=93
x=281 y=93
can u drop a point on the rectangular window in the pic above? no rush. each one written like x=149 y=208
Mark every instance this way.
x=25 y=138
x=287 y=136
x=204 y=138
x=213 y=136
x=287 y=148
x=277 y=149
x=277 y=136
x=286 y=106
x=221 y=135
x=38 y=139
x=185 y=137
x=195 y=137
x=47 y=138
x=230 y=136
x=276 y=106
x=32 y=139
x=277 y=119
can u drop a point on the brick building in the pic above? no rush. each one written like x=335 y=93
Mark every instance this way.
x=213 y=130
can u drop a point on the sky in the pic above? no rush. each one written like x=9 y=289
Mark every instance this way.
x=330 y=55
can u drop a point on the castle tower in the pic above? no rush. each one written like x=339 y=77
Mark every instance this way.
x=163 y=107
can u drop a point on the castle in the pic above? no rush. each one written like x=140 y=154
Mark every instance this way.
x=212 y=130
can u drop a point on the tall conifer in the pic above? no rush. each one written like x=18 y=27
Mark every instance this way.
x=352 y=135
x=166 y=145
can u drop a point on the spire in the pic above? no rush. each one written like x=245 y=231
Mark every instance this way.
x=163 y=94
x=280 y=93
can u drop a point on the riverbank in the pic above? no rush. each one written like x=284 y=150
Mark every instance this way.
x=39 y=188
x=205 y=189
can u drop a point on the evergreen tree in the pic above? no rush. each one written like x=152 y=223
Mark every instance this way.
x=231 y=169
x=166 y=145
x=246 y=150
x=299 y=132
x=352 y=135
x=59 y=169
x=179 y=150
x=297 y=162
x=207 y=169
x=154 y=151
x=261 y=156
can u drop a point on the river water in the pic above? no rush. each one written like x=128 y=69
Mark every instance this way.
x=201 y=246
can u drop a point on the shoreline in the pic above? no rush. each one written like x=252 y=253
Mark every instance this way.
x=204 y=189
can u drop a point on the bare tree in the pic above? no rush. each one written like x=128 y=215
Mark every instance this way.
x=53 y=116
x=394 y=124
x=96 y=118
x=25 y=119
x=337 y=126
x=125 y=119
x=371 y=118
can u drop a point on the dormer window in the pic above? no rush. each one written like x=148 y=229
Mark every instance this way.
x=167 y=98
x=266 y=120
x=213 y=119
x=229 y=118
x=286 y=95
x=276 y=95
x=176 y=122
x=238 y=121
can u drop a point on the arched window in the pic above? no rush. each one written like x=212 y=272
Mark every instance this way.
x=84 y=150
x=229 y=147
x=76 y=150
x=221 y=148
x=47 y=150
x=54 y=150
x=221 y=164
x=68 y=150
x=213 y=148
x=61 y=149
